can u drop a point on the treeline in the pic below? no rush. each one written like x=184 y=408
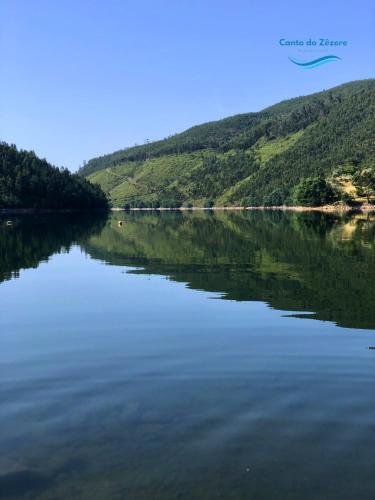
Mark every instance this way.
x=212 y=135
x=27 y=181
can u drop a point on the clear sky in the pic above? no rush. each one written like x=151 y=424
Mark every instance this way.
x=79 y=78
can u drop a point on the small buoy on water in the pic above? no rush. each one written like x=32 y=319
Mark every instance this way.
x=372 y=347
x=9 y=222
x=119 y=223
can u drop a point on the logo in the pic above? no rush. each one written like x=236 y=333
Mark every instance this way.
x=312 y=53
x=315 y=62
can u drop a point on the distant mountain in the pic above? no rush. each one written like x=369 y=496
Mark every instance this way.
x=26 y=181
x=248 y=159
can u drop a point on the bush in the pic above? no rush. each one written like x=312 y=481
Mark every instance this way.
x=313 y=192
x=138 y=204
x=155 y=204
x=346 y=198
x=274 y=199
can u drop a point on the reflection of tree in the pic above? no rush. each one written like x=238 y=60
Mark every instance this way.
x=293 y=261
x=32 y=239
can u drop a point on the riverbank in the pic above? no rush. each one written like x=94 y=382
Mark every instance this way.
x=366 y=207
x=325 y=208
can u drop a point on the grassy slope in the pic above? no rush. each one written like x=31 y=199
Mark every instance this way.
x=301 y=137
x=146 y=180
x=265 y=150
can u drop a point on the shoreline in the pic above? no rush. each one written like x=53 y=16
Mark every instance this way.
x=365 y=208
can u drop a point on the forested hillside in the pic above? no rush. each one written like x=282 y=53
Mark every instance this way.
x=26 y=181
x=258 y=158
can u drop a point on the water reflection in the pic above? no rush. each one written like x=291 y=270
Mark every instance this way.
x=32 y=239
x=321 y=265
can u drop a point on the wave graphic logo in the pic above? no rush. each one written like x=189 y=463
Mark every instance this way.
x=315 y=62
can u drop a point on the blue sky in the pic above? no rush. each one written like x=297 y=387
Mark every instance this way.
x=83 y=78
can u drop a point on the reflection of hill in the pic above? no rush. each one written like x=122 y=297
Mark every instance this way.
x=32 y=239
x=294 y=261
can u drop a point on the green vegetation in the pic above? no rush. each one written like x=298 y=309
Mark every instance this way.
x=267 y=149
x=364 y=181
x=29 y=182
x=274 y=199
x=314 y=192
x=249 y=159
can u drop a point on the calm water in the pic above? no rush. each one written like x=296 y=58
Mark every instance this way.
x=188 y=356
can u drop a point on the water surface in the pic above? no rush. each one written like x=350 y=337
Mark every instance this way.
x=187 y=356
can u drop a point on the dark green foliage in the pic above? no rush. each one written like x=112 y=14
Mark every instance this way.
x=274 y=199
x=330 y=129
x=314 y=192
x=137 y=203
x=347 y=199
x=155 y=204
x=208 y=204
x=29 y=182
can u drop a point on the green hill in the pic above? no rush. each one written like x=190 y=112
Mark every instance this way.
x=26 y=181
x=248 y=159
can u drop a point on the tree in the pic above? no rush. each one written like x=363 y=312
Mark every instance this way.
x=274 y=199
x=313 y=192
x=364 y=181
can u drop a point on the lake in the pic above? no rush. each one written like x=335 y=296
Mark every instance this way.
x=188 y=355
